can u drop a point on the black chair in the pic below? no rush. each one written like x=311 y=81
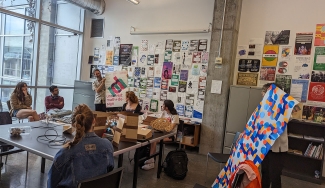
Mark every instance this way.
x=110 y=180
x=220 y=158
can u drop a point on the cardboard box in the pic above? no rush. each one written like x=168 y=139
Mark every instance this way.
x=144 y=133
x=188 y=140
x=131 y=134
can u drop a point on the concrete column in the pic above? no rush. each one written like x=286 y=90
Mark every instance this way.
x=215 y=106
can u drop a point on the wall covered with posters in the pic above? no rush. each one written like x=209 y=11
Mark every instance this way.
x=161 y=66
x=283 y=42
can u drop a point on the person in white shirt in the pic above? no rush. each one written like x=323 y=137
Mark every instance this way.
x=170 y=113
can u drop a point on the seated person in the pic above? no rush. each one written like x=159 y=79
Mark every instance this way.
x=20 y=102
x=84 y=157
x=54 y=101
x=170 y=113
x=132 y=103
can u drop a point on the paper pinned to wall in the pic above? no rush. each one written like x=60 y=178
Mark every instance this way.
x=216 y=86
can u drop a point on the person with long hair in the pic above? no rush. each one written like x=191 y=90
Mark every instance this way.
x=21 y=102
x=170 y=113
x=98 y=86
x=132 y=103
x=86 y=156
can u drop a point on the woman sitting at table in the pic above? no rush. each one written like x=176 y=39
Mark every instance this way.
x=86 y=156
x=170 y=113
x=132 y=103
x=20 y=102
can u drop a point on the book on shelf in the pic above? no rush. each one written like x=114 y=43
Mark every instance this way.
x=314 y=151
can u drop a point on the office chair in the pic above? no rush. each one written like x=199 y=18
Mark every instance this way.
x=220 y=158
x=110 y=180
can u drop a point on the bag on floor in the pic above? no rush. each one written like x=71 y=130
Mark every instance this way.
x=175 y=164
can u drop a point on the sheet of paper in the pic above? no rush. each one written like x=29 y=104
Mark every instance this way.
x=296 y=91
x=216 y=86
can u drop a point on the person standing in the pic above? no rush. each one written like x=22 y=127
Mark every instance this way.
x=99 y=88
x=54 y=101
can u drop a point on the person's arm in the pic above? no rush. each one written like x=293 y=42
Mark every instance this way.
x=54 y=177
x=61 y=103
x=138 y=110
x=175 y=121
x=15 y=104
x=47 y=103
x=28 y=100
x=98 y=89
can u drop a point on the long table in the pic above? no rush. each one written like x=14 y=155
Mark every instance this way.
x=31 y=144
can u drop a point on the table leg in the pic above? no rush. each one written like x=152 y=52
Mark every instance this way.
x=135 y=168
x=161 y=144
x=43 y=165
x=27 y=161
x=120 y=160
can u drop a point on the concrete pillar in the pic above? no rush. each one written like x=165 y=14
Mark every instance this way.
x=215 y=107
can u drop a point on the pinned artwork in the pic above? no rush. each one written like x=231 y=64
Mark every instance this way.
x=266 y=124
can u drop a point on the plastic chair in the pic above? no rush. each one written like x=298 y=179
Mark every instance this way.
x=110 y=180
x=220 y=158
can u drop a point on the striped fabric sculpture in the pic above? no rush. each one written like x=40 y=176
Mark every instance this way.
x=266 y=124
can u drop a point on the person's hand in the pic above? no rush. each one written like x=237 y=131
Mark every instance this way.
x=103 y=80
x=60 y=103
x=29 y=107
x=25 y=92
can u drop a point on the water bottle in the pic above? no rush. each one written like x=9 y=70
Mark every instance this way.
x=20 y=130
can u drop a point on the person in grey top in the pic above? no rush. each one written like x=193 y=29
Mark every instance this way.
x=99 y=88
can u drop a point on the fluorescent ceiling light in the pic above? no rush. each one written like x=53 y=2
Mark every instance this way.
x=133 y=31
x=136 y=2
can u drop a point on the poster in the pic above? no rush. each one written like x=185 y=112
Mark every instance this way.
x=255 y=48
x=188 y=111
x=316 y=92
x=182 y=86
x=286 y=53
x=150 y=81
x=284 y=81
x=109 y=57
x=149 y=92
x=152 y=49
x=267 y=73
x=168 y=56
x=176 y=46
x=196 y=57
x=277 y=37
x=163 y=95
x=153 y=105
x=92 y=69
x=205 y=58
x=180 y=108
x=176 y=58
x=131 y=71
x=150 y=71
x=242 y=51
x=196 y=69
x=156 y=93
x=302 y=67
x=143 y=83
x=137 y=82
x=184 y=75
x=116 y=60
x=185 y=45
x=96 y=55
x=186 y=60
x=319 y=58
x=317 y=76
x=157 y=82
x=270 y=55
x=181 y=97
x=142 y=59
x=175 y=80
x=144 y=45
x=177 y=68
x=283 y=67
x=203 y=45
x=142 y=94
x=194 y=45
x=156 y=59
x=169 y=45
x=202 y=82
x=251 y=65
x=204 y=70
x=116 y=88
x=143 y=72
x=150 y=60
x=90 y=59
x=320 y=35
x=130 y=82
x=172 y=96
x=164 y=84
x=137 y=71
x=167 y=70
x=189 y=99
x=192 y=86
x=158 y=71
x=303 y=43
x=247 y=79
x=299 y=89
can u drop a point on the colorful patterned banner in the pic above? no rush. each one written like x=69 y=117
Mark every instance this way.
x=116 y=87
x=266 y=124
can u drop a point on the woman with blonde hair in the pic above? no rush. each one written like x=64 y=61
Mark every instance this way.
x=132 y=103
x=20 y=103
x=86 y=156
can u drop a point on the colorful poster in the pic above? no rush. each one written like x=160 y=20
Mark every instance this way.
x=142 y=94
x=320 y=35
x=283 y=67
x=251 y=65
x=168 y=56
x=180 y=108
x=143 y=83
x=302 y=67
x=284 y=81
x=150 y=60
x=176 y=46
x=204 y=70
x=203 y=45
x=205 y=58
x=196 y=69
x=109 y=57
x=184 y=75
x=270 y=55
x=299 y=90
x=167 y=70
x=267 y=73
x=196 y=57
x=116 y=83
x=202 y=82
x=286 y=53
x=277 y=37
x=172 y=89
x=319 y=58
x=194 y=45
x=247 y=79
x=182 y=86
x=175 y=80
x=153 y=105
x=137 y=71
x=130 y=82
x=316 y=92
x=116 y=60
x=303 y=43
x=157 y=82
x=185 y=45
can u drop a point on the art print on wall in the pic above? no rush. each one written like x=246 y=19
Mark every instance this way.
x=247 y=79
x=167 y=70
x=303 y=43
x=277 y=37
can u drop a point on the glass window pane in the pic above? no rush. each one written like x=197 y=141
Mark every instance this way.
x=62 y=13
x=12 y=56
x=6 y=92
x=25 y=7
x=14 y=26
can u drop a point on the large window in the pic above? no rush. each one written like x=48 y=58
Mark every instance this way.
x=40 y=46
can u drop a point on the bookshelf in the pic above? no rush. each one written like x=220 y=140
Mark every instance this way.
x=301 y=166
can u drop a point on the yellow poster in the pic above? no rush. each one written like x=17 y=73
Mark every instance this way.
x=109 y=57
x=270 y=55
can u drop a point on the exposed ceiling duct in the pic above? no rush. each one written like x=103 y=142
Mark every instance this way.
x=94 y=6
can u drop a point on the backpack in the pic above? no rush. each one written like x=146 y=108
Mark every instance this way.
x=175 y=164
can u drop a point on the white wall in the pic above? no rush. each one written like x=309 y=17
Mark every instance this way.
x=148 y=15
x=258 y=16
